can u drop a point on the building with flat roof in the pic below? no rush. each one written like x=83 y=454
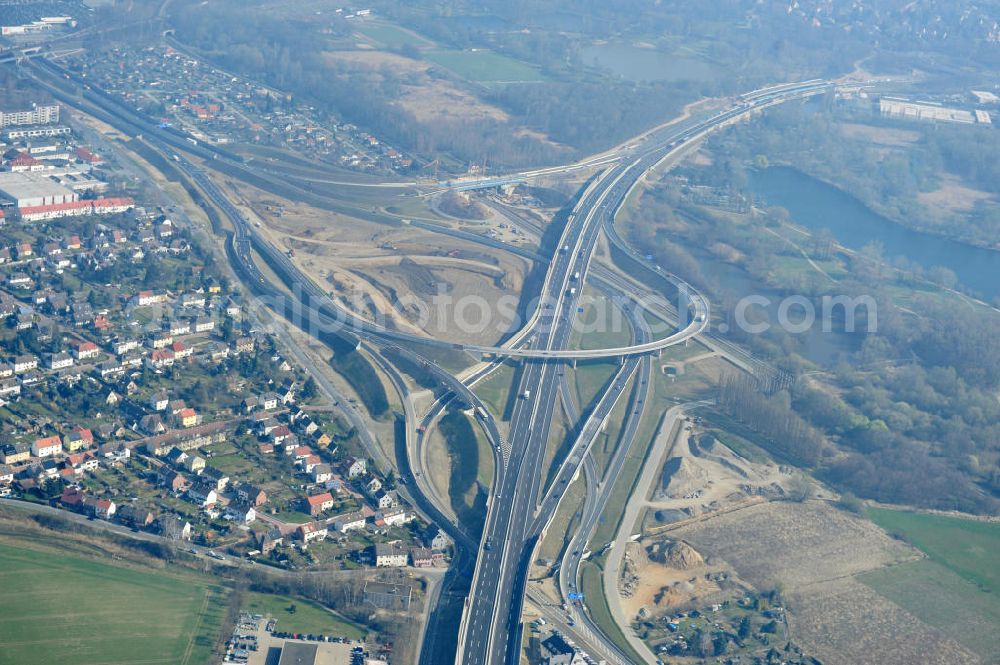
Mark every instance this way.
x=35 y=132
x=557 y=651
x=33 y=189
x=295 y=652
x=894 y=107
x=298 y=653
x=36 y=115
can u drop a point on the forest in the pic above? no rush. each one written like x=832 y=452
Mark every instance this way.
x=911 y=416
x=886 y=179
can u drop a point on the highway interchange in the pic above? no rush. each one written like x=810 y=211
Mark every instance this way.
x=519 y=507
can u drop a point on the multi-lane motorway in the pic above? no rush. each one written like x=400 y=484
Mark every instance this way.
x=518 y=509
x=491 y=626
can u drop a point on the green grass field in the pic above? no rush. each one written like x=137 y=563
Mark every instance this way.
x=941 y=598
x=956 y=588
x=495 y=390
x=60 y=608
x=293 y=517
x=968 y=548
x=601 y=325
x=484 y=67
x=392 y=36
x=308 y=617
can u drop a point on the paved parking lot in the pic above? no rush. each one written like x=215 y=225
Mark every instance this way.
x=252 y=632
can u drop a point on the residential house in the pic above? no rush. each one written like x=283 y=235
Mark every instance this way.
x=421 y=557
x=202 y=494
x=321 y=473
x=318 y=503
x=287 y=394
x=386 y=500
x=47 y=470
x=161 y=339
x=102 y=508
x=82 y=462
x=311 y=531
x=373 y=486
x=204 y=324
x=123 y=346
x=188 y=417
x=146 y=298
x=46 y=446
x=181 y=350
x=193 y=300
x=60 y=360
x=393 y=517
x=268 y=540
x=172 y=480
x=15 y=453
x=83 y=349
x=280 y=433
x=152 y=424
x=310 y=463
x=72 y=498
x=175 y=456
x=240 y=513
x=9 y=388
x=114 y=453
x=160 y=358
x=390 y=555
x=136 y=516
x=79 y=438
x=269 y=401
x=355 y=467
x=440 y=541
x=251 y=495
x=219 y=478
x=158 y=401
x=321 y=438
x=194 y=463
x=25 y=363
x=349 y=521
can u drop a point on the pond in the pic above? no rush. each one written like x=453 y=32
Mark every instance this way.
x=817 y=205
x=645 y=64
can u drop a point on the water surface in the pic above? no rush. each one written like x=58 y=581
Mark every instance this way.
x=817 y=205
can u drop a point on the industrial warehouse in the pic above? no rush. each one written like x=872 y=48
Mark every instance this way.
x=38 y=197
x=46 y=174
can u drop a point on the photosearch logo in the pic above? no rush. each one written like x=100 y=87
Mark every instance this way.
x=797 y=314
x=644 y=316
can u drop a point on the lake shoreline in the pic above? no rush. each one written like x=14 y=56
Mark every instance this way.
x=915 y=229
x=815 y=204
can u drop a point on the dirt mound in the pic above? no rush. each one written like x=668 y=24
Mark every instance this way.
x=677 y=554
x=681 y=477
x=635 y=557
